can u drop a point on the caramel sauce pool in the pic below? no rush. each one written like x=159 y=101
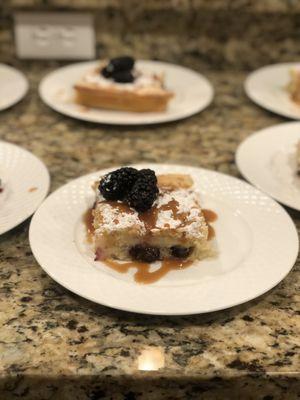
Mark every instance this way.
x=143 y=274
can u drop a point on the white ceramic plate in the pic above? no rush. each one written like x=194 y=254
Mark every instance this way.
x=252 y=257
x=25 y=181
x=193 y=93
x=267 y=88
x=268 y=160
x=14 y=86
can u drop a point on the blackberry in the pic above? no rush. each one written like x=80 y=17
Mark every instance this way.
x=106 y=73
x=117 y=64
x=123 y=77
x=144 y=253
x=180 y=251
x=123 y=63
x=142 y=195
x=149 y=175
x=115 y=185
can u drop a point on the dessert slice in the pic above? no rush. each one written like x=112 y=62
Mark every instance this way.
x=294 y=85
x=118 y=85
x=138 y=216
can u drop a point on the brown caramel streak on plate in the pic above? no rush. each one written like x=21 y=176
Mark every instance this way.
x=143 y=274
x=122 y=268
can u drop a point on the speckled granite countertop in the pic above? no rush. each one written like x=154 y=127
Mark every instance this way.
x=55 y=345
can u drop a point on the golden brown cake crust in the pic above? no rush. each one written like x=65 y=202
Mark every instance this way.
x=114 y=96
x=112 y=99
x=174 y=181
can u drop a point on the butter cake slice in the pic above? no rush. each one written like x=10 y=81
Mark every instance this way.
x=174 y=226
x=118 y=85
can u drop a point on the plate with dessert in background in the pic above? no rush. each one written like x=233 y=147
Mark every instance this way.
x=270 y=160
x=123 y=91
x=24 y=183
x=163 y=239
x=14 y=86
x=276 y=88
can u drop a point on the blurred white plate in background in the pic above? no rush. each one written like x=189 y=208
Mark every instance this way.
x=252 y=257
x=267 y=159
x=25 y=181
x=193 y=93
x=267 y=88
x=14 y=86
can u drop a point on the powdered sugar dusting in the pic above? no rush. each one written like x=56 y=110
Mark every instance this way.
x=142 y=81
x=113 y=219
x=166 y=220
x=186 y=199
x=194 y=224
x=191 y=222
x=197 y=226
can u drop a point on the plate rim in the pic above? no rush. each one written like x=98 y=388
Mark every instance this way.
x=174 y=313
x=162 y=120
x=23 y=93
x=47 y=185
x=246 y=176
x=248 y=91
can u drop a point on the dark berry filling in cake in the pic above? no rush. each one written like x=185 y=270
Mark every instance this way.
x=180 y=251
x=144 y=253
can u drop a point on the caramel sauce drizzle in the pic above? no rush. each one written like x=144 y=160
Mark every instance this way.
x=210 y=216
x=121 y=207
x=143 y=274
x=149 y=218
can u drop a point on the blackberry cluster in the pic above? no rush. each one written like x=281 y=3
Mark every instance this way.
x=115 y=185
x=119 y=69
x=136 y=188
x=144 y=253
